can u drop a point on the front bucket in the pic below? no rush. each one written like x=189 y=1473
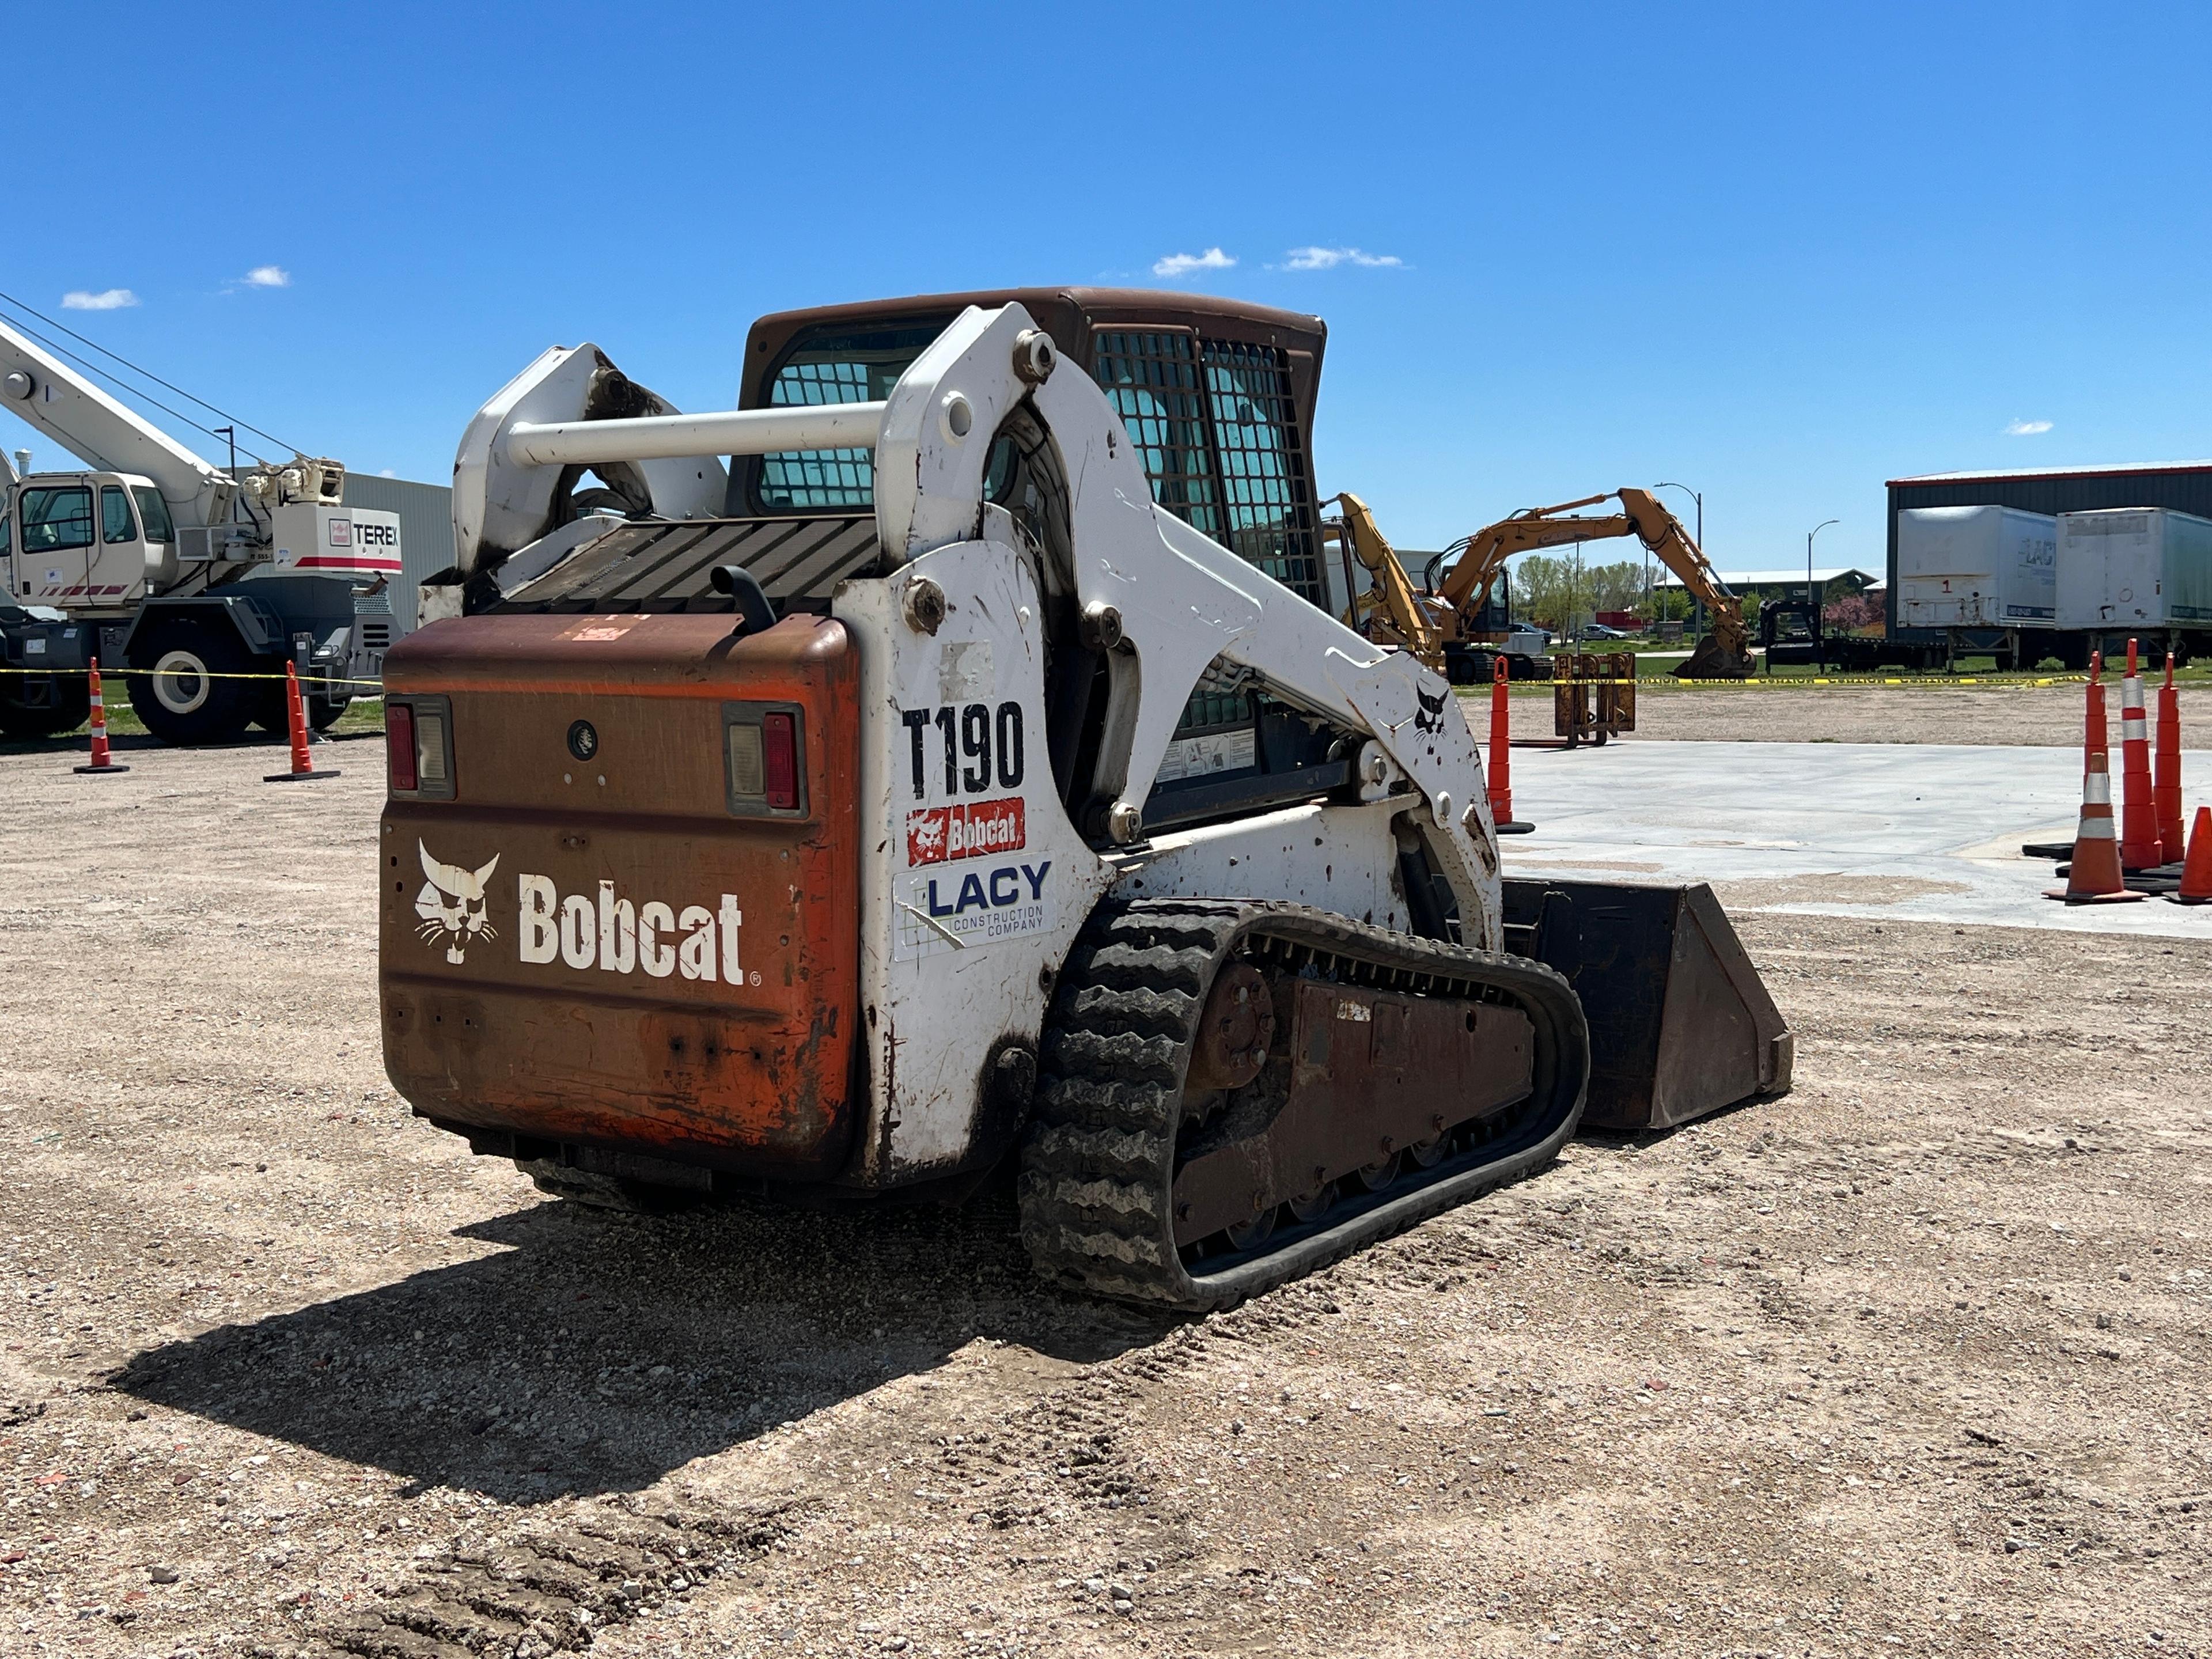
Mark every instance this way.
x=1679 y=1022
x=1711 y=661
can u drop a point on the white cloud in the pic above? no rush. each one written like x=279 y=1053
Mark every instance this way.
x=1182 y=264
x=1328 y=258
x=388 y=473
x=108 y=299
x=2027 y=428
x=267 y=276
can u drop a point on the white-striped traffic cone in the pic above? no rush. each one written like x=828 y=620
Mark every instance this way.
x=2095 y=877
x=102 y=762
x=2139 y=844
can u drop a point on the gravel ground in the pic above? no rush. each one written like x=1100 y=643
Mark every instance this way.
x=1915 y=1359
x=1797 y=712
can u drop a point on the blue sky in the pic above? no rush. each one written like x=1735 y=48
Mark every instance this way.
x=1780 y=253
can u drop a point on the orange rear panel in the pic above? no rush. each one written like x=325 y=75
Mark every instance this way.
x=592 y=940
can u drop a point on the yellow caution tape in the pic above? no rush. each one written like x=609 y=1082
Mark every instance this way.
x=1669 y=683
x=187 y=673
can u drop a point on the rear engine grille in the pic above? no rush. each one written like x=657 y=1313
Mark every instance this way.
x=669 y=567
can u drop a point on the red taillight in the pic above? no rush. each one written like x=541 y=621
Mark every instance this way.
x=780 y=761
x=399 y=744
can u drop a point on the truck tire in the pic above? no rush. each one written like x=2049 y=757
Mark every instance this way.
x=70 y=701
x=178 y=686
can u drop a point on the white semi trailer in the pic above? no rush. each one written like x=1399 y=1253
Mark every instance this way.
x=156 y=563
x=2142 y=571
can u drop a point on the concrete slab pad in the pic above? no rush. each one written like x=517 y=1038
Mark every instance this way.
x=1917 y=832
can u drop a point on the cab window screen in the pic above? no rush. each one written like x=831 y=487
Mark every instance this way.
x=839 y=366
x=56 y=517
x=1153 y=381
x=115 y=521
x=1266 y=495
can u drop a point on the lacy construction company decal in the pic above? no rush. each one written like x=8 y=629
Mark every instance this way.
x=964 y=909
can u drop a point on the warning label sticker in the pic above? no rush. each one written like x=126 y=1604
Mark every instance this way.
x=1197 y=758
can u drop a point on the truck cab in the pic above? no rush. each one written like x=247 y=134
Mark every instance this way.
x=85 y=540
x=96 y=568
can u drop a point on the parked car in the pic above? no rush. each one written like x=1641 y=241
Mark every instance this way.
x=1603 y=631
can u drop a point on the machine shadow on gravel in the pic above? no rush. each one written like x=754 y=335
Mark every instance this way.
x=599 y=1352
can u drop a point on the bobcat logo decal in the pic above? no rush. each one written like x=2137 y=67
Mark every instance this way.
x=452 y=905
x=1431 y=715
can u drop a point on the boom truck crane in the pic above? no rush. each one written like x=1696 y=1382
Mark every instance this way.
x=154 y=561
x=1439 y=621
x=975 y=786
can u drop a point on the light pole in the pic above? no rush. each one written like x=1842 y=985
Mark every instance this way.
x=1812 y=597
x=1698 y=497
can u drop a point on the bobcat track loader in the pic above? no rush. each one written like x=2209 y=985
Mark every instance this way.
x=960 y=772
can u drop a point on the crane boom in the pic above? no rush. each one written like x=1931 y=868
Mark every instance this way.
x=104 y=434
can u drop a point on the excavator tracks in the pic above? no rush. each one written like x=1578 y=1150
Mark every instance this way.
x=1233 y=1093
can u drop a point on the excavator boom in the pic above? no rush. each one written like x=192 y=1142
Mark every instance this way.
x=1725 y=653
x=1417 y=630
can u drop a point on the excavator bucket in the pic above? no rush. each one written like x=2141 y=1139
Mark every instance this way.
x=1712 y=660
x=1679 y=1022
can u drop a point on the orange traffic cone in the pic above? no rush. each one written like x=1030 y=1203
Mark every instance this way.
x=2095 y=877
x=1501 y=753
x=2166 y=780
x=2096 y=739
x=303 y=767
x=102 y=762
x=2197 y=868
x=2139 y=844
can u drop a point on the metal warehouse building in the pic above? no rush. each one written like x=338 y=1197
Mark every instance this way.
x=426 y=531
x=2185 y=486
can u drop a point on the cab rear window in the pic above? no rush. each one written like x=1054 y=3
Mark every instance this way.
x=160 y=527
x=837 y=364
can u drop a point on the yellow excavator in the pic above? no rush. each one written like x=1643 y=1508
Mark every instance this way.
x=1431 y=620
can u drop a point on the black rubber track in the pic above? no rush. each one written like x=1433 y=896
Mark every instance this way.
x=1098 y=1161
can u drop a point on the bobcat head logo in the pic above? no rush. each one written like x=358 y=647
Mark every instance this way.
x=925 y=836
x=452 y=904
x=1431 y=715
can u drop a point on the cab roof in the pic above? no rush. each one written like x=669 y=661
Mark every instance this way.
x=1072 y=316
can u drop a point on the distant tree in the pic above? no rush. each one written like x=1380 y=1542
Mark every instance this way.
x=1549 y=590
x=1542 y=588
x=1851 y=613
x=1617 y=586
